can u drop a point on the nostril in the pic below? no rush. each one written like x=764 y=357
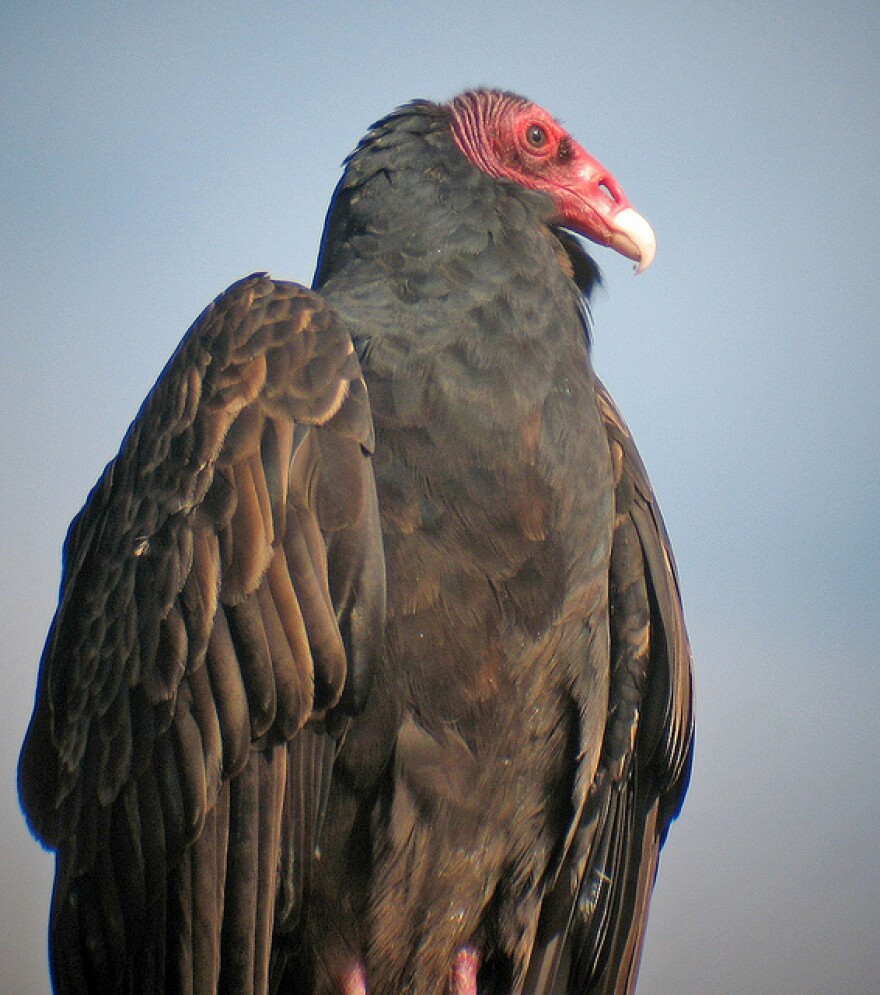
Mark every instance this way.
x=609 y=193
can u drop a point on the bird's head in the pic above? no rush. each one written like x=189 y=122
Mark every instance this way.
x=511 y=138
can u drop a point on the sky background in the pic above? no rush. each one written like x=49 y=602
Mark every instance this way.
x=152 y=154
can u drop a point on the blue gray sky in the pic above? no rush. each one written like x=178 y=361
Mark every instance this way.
x=151 y=154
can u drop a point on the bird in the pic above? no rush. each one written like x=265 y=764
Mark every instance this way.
x=369 y=673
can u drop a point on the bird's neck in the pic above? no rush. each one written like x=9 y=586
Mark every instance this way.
x=421 y=246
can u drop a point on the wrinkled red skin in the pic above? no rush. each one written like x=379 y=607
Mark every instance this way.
x=513 y=139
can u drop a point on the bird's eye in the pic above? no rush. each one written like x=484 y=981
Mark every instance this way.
x=536 y=136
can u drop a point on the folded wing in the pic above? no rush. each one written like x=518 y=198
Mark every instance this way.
x=221 y=602
x=592 y=925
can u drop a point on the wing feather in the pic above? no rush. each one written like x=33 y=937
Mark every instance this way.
x=196 y=636
x=593 y=918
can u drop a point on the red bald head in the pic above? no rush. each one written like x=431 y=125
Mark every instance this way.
x=511 y=138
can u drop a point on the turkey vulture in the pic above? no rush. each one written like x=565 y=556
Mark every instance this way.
x=369 y=672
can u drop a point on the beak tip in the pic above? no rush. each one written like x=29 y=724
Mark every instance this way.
x=644 y=261
x=638 y=236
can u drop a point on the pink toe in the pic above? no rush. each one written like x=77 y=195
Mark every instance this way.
x=464 y=971
x=354 y=980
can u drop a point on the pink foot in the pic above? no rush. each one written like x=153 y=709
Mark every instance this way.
x=354 y=980
x=464 y=971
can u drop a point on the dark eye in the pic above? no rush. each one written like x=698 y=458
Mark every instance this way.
x=536 y=136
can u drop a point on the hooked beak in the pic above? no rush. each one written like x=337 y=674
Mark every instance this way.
x=597 y=208
x=634 y=238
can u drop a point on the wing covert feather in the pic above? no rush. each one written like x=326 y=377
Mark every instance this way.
x=196 y=635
